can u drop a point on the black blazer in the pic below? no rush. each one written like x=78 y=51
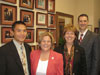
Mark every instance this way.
x=10 y=63
x=91 y=45
x=79 y=63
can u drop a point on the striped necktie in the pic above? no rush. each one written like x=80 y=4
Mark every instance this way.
x=23 y=60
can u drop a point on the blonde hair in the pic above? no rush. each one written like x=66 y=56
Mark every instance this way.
x=69 y=27
x=46 y=34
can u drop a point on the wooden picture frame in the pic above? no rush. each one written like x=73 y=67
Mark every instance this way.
x=97 y=30
x=26 y=3
x=62 y=19
x=6 y=35
x=90 y=27
x=8 y=14
x=27 y=17
x=51 y=5
x=53 y=32
x=41 y=4
x=41 y=19
x=51 y=21
x=10 y=1
x=30 y=36
x=39 y=32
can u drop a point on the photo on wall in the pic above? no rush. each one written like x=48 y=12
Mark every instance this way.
x=26 y=3
x=27 y=17
x=8 y=14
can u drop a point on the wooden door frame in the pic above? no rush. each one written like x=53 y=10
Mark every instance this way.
x=57 y=23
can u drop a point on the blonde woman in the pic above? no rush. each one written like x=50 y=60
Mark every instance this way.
x=45 y=61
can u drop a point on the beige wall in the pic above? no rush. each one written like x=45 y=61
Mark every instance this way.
x=77 y=7
x=96 y=12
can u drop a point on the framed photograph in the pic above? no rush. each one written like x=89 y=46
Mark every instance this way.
x=96 y=30
x=6 y=35
x=41 y=4
x=53 y=32
x=30 y=36
x=27 y=17
x=39 y=32
x=11 y=1
x=90 y=27
x=33 y=47
x=8 y=14
x=51 y=5
x=41 y=19
x=27 y=3
x=51 y=21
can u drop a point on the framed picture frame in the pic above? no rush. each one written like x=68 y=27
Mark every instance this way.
x=41 y=4
x=62 y=19
x=6 y=35
x=39 y=31
x=51 y=5
x=8 y=14
x=11 y=1
x=96 y=30
x=27 y=17
x=30 y=36
x=51 y=21
x=90 y=27
x=26 y=3
x=41 y=19
x=53 y=32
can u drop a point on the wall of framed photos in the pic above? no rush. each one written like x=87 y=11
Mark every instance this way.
x=39 y=16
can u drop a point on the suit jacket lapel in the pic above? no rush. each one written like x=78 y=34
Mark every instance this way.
x=85 y=39
x=15 y=54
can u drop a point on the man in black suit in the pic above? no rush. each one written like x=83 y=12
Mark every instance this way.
x=11 y=61
x=89 y=41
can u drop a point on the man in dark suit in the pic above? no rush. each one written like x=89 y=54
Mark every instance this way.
x=89 y=41
x=11 y=61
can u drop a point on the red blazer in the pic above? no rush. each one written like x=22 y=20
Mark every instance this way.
x=55 y=63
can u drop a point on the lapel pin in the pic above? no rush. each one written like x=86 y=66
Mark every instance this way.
x=52 y=58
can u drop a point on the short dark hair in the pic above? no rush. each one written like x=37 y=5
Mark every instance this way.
x=17 y=22
x=82 y=16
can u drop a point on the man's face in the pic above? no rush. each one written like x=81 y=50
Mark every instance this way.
x=20 y=33
x=83 y=23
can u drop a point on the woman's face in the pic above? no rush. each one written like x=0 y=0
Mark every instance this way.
x=45 y=43
x=69 y=37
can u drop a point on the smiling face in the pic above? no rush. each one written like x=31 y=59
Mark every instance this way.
x=83 y=23
x=45 y=43
x=69 y=37
x=20 y=33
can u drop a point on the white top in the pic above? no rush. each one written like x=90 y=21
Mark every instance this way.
x=82 y=33
x=42 y=67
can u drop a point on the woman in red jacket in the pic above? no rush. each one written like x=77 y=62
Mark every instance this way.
x=45 y=61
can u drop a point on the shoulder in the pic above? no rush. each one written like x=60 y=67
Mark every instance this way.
x=55 y=54
x=92 y=34
x=6 y=46
x=35 y=52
